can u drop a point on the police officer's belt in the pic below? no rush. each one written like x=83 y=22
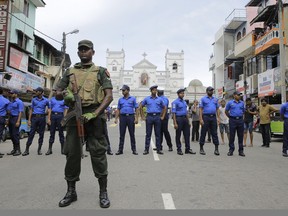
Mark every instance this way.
x=153 y=114
x=38 y=115
x=236 y=117
x=57 y=113
x=127 y=114
x=182 y=116
x=210 y=115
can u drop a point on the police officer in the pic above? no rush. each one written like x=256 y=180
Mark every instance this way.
x=95 y=91
x=15 y=109
x=181 y=122
x=164 y=122
x=235 y=110
x=58 y=110
x=209 y=113
x=156 y=111
x=37 y=119
x=284 y=115
x=127 y=110
x=3 y=112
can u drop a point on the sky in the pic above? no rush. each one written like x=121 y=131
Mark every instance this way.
x=138 y=26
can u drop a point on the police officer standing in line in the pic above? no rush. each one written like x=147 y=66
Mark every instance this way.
x=164 y=122
x=95 y=91
x=284 y=116
x=15 y=109
x=209 y=115
x=181 y=122
x=58 y=110
x=156 y=111
x=235 y=110
x=127 y=109
x=3 y=112
x=37 y=119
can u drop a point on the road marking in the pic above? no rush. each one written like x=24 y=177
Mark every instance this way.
x=155 y=155
x=168 y=201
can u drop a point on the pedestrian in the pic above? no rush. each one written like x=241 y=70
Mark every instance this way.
x=127 y=113
x=235 y=112
x=250 y=111
x=156 y=111
x=4 y=102
x=195 y=120
x=57 y=111
x=37 y=119
x=15 y=109
x=265 y=110
x=223 y=121
x=95 y=91
x=284 y=116
x=181 y=122
x=164 y=122
x=209 y=115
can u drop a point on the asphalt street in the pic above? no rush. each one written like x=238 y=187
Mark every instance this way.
x=169 y=181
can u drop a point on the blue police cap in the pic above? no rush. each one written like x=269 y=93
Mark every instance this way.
x=125 y=87
x=154 y=86
x=210 y=88
x=237 y=93
x=180 y=90
x=39 y=89
x=14 y=91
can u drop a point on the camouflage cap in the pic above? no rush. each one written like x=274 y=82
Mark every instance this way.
x=85 y=43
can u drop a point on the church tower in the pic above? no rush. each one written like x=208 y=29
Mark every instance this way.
x=174 y=63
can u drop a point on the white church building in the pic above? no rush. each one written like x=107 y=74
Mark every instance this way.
x=145 y=74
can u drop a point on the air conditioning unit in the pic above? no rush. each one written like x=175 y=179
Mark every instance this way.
x=241 y=77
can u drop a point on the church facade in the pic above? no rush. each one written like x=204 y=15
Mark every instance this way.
x=145 y=74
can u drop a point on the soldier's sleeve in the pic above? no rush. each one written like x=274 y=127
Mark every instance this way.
x=105 y=79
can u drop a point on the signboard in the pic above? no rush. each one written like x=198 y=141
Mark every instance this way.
x=3 y=33
x=266 y=83
x=241 y=88
x=18 y=60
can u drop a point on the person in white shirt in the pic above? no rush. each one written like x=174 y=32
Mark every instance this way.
x=223 y=121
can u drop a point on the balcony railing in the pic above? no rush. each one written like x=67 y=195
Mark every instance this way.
x=236 y=14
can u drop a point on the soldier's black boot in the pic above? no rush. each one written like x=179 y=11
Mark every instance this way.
x=26 y=152
x=70 y=196
x=103 y=196
x=39 y=150
x=13 y=151
x=62 y=148
x=202 y=152
x=216 y=152
x=49 y=149
x=17 y=151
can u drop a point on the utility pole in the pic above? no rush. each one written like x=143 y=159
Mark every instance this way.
x=282 y=52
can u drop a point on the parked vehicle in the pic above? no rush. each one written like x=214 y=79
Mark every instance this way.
x=277 y=124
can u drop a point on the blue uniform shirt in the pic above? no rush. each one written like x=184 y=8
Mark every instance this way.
x=39 y=105
x=209 y=105
x=3 y=105
x=154 y=105
x=179 y=107
x=127 y=105
x=15 y=107
x=57 y=105
x=235 y=109
x=284 y=110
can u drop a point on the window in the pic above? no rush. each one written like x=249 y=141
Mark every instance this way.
x=21 y=40
x=272 y=61
x=238 y=36
x=243 y=32
x=46 y=57
x=114 y=68
x=20 y=6
x=26 y=8
x=175 y=67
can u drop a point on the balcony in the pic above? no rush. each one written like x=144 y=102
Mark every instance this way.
x=235 y=19
x=268 y=43
x=245 y=46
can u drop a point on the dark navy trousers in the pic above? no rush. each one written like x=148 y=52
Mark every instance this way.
x=265 y=131
x=37 y=125
x=14 y=131
x=127 y=121
x=285 y=136
x=210 y=123
x=153 y=120
x=2 y=126
x=183 y=125
x=165 y=132
x=56 y=123
x=236 y=126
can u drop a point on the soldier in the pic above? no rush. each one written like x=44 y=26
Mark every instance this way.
x=3 y=112
x=235 y=111
x=15 y=109
x=284 y=116
x=95 y=91
x=37 y=119
x=209 y=115
x=127 y=109
x=57 y=111
x=156 y=111
x=181 y=122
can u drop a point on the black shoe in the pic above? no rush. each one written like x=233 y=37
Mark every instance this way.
x=39 y=152
x=241 y=154
x=104 y=200
x=216 y=152
x=70 y=197
x=25 y=153
x=1 y=154
x=263 y=145
x=170 y=149
x=49 y=152
x=154 y=149
x=189 y=151
x=202 y=152
x=134 y=152
x=160 y=152
x=284 y=154
x=109 y=152
x=145 y=152
x=180 y=152
x=12 y=152
x=17 y=153
x=267 y=146
x=119 y=152
x=230 y=153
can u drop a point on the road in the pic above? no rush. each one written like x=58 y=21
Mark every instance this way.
x=169 y=181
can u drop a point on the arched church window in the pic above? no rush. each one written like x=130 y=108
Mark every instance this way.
x=114 y=66
x=175 y=66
